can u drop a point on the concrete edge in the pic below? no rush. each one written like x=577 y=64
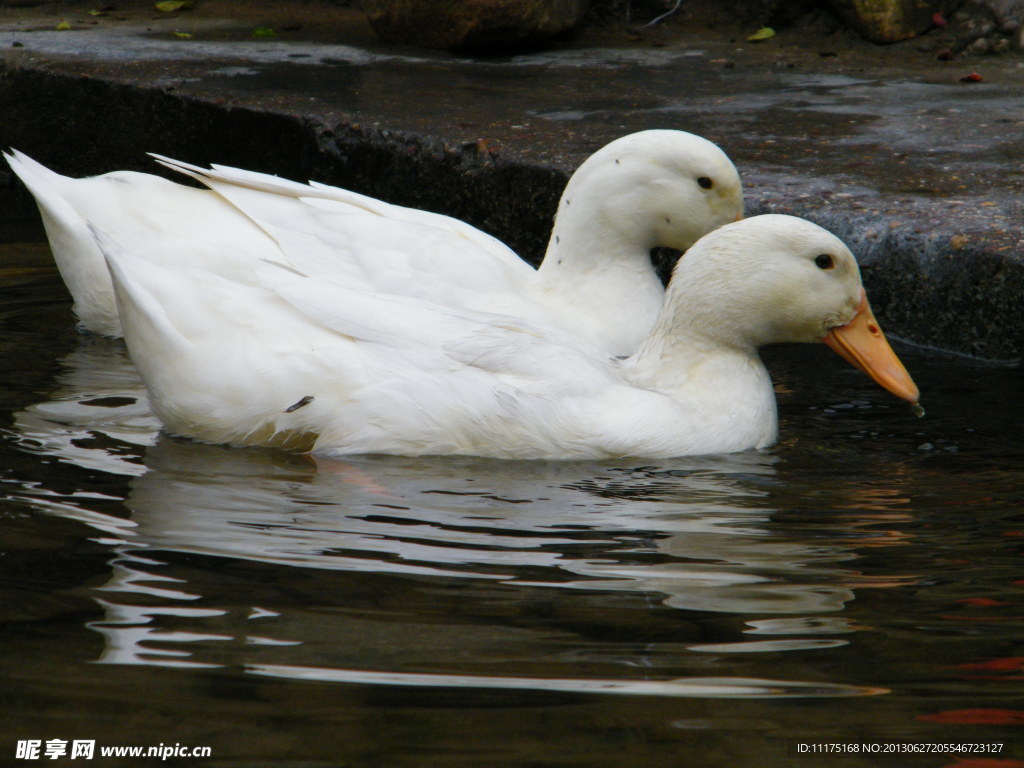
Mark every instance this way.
x=965 y=300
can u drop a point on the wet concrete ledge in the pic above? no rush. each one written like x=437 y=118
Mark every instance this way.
x=94 y=125
x=944 y=266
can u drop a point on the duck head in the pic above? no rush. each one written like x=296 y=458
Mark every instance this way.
x=664 y=188
x=776 y=278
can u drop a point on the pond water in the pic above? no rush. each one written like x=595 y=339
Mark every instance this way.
x=859 y=585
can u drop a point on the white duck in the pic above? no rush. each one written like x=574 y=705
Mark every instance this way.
x=306 y=365
x=648 y=189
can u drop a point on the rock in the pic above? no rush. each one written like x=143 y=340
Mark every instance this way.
x=889 y=21
x=1008 y=14
x=984 y=27
x=481 y=26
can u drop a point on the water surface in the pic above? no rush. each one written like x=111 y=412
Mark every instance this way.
x=859 y=583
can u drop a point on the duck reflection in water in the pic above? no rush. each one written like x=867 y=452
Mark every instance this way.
x=339 y=546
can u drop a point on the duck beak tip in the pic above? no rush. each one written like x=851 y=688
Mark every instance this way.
x=862 y=343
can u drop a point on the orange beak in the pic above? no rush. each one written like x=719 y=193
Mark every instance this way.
x=862 y=343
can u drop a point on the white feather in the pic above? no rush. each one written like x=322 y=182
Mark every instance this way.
x=596 y=282
x=292 y=361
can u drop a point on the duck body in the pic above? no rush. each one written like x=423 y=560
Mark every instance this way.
x=140 y=208
x=596 y=282
x=298 y=363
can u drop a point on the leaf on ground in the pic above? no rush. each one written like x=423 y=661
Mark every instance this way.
x=65 y=24
x=264 y=32
x=762 y=34
x=170 y=6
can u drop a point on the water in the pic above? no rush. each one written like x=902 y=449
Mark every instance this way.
x=859 y=584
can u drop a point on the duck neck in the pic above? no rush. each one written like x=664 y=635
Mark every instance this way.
x=725 y=382
x=598 y=267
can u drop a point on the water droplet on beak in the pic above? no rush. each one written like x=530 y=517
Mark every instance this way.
x=917 y=409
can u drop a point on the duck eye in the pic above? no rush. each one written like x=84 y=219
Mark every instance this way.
x=705 y=182
x=824 y=261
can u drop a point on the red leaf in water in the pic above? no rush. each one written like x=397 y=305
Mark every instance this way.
x=1006 y=664
x=980 y=602
x=976 y=717
x=974 y=77
x=939 y=20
